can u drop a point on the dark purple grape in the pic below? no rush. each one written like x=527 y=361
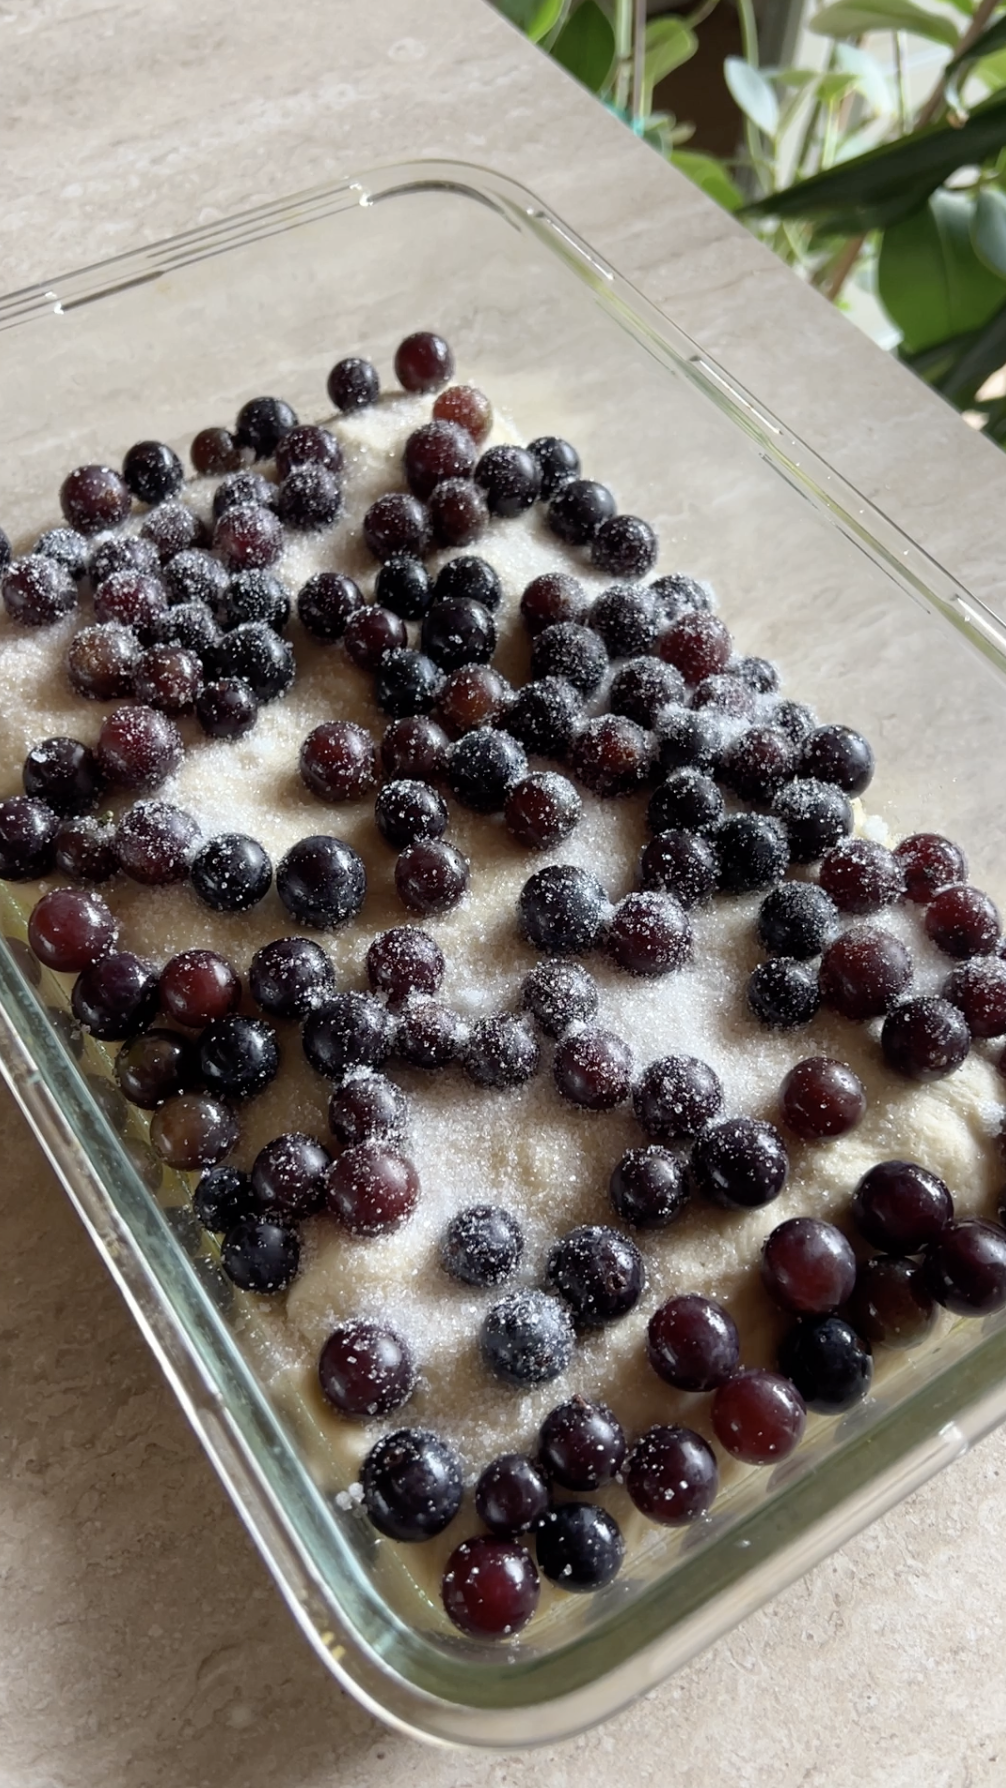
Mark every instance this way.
x=649 y=1188
x=808 y=1267
x=154 y=1067
x=321 y=881
x=369 y=1108
x=372 y=1189
x=930 y=862
x=552 y=598
x=82 y=848
x=698 y=645
x=406 y=811
x=255 y=653
x=676 y=1097
x=978 y=990
x=307 y=445
x=238 y=1056
x=671 y=1475
x=289 y=977
x=196 y=576
x=559 y=994
x=412 y=1484
x=860 y=876
x=288 y=1176
x=758 y=1417
x=121 y=552
x=558 y=463
x=624 y=546
x=573 y=653
x=407 y=682
x=327 y=603
x=579 y=509
x=338 y=761
x=836 y=754
x=901 y=1207
x=214 y=450
x=752 y=851
x=483 y=767
x=758 y=764
x=482 y=1245
x=403 y=587
x=794 y=719
x=692 y=1343
x=680 y=595
x=476 y=695
x=133 y=599
x=821 y=1097
x=248 y=537
x=542 y=810
x=403 y=961
x=925 y=1039
x=153 y=471
x=353 y=384
x=593 y=1068
x=174 y=528
x=222 y=1198
x=782 y=994
x=864 y=972
x=562 y=910
x=598 y=1271
x=154 y=842
x=168 y=678
x=430 y=1035
x=415 y=747
x=682 y=864
x=511 y=1495
x=197 y=986
x=891 y=1306
x=627 y=617
x=725 y=694
x=101 y=660
x=796 y=920
x=253 y=596
x=816 y=816
x=696 y=738
x=232 y=873
x=502 y=1051
x=365 y=1370
x=138 y=747
x=458 y=631
x=349 y=1030
x=310 y=497
x=397 y=523
x=649 y=934
x=580 y=1546
x=470 y=577
x=581 y=1445
x=64 y=774
x=527 y=1338
x=760 y=674
x=240 y=489
x=261 y=424
x=116 y=996
x=260 y=1254
x=545 y=716
x=511 y=479
x=963 y=922
x=468 y=407
x=193 y=1131
x=94 y=498
x=371 y=632
x=435 y=451
x=829 y=1364
x=423 y=362
x=431 y=876
x=70 y=928
x=490 y=1588
x=65 y=545
x=741 y=1163
x=37 y=591
x=611 y=755
x=965 y=1268
x=28 y=829
x=643 y=688
x=227 y=709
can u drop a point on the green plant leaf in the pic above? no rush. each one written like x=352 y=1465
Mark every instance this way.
x=835 y=86
x=957 y=70
x=929 y=278
x=870 y=77
x=991 y=70
x=710 y=176
x=874 y=190
x=988 y=229
x=585 y=47
x=545 y=16
x=753 y=93
x=854 y=18
x=668 y=43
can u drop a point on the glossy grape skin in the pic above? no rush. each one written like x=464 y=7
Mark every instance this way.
x=93 y=498
x=978 y=989
x=198 y=986
x=598 y=1271
x=116 y=996
x=542 y=810
x=397 y=523
x=580 y=1546
x=227 y=708
x=559 y=994
x=213 y=451
x=372 y=1189
x=406 y=682
x=837 y=754
x=155 y=1066
x=28 y=831
x=562 y=910
x=649 y=934
x=154 y=843
x=552 y=598
x=822 y=1098
x=261 y=1255
x=610 y=755
x=581 y=1445
x=407 y=810
x=248 y=537
x=138 y=747
x=925 y=1039
x=890 y=1306
x=510 y=478
x=511 y=1495
x=288 y=1176
x=403 y=587
x=222 y=1198
x=797 y=920
x=193 y=1131
x=261 y=424
x=558 y=462
x=153 y=471
x=593 y=1067
x=321 y=881
x=431 y=1035
x=365 y=1370
x=817 y=815
x=63 y=773
x=864 y=972
x=579 y=509
x=808 y=1267
x=861 y=876
x=692 y=1343
x=231 y=873
x=527 y=1338
x=353 y=384
x=326 y=603
x=338 y=761
x=741 y=1163
x=423 y=361
x=624 y=546
x=370 y=632
x=649 y=1188
x=698 y=645
x=238 y=1056
x=369 y=1108
x=347 y=1030
x=405 y=960
x=472 y=696
x=70 y=928
x=676 y=1097
x=963 y=922
x=435 y=451
x=412 y=1484
x=415 y=747
x=83 y=849
x=483 y=1245
x=901 y=1207
x=289 y=977
x=929 y=862
x=829 y=1364
x=965 y=1269
x=101 y=661
x=683 y=864
x=758 y=1417
x=431 y=876
x=468 y=407
x=671 y=1475
x=490 y=1587
x=752 y=852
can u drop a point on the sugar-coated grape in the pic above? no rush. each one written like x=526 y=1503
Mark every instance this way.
x=369 y=1108
x=365 y=1370
x=676 y=1097
x=929 y=862
x=864 y=972
x=671 y=1475
x=490 y=1587
x=527 y=1338
x=592 y=1067
x=502 y=1051
x=260 y=1254
x=482 y=1245
x=925 y=1038
x=231 y=873
x=649 y=1188
x=559 y=994
x=338 y=761
x=741 y=1163
x=598 y=1271
x=288 y=1176
x=403 y=961
x=963 y=922
x=649 y=934
x=821 y=1097
x=431 y=876
x=372 y=1188
x=412 y=1484
x=347 y=1030
x=562 y=910
x=197 y=986
x=321 y=881
x=511 y=1495
x=581 y=1445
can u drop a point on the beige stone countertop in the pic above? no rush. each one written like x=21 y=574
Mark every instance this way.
x=143 y=1645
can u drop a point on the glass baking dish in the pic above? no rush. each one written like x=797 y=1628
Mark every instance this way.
x=173 y=336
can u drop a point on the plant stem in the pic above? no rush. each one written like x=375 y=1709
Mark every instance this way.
x=642 y=99
x=623 y=52
x=749 y=45
x=899 y=68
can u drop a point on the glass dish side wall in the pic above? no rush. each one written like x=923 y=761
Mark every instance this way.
x=175 y=337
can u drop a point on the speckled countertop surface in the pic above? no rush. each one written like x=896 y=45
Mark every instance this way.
x=141 y=1643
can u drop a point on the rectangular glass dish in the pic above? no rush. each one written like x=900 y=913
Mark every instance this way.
x=173 y=337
